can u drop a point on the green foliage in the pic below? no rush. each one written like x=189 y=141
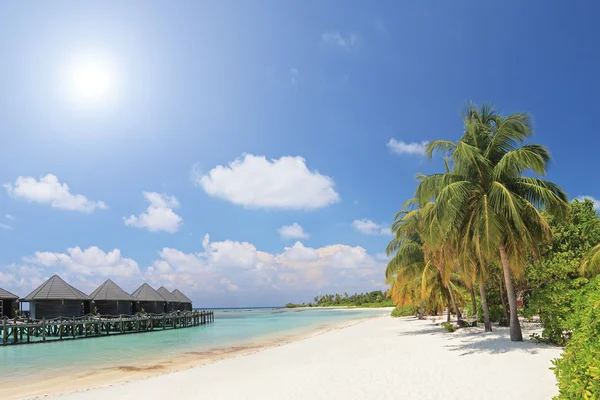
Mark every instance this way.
x=573 y=237
x=578 y=371
x=449 y=326
x=404 y=311
x=556 y=308
x=373 y=299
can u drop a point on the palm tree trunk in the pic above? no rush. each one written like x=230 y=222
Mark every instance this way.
x=515 y=327
x=421 y=310
x=459 y=319
x=474 y=305
x=449 y=309
x=486 y=314
x=504 y=304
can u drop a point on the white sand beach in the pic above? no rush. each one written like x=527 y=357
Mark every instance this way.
x=379 y=358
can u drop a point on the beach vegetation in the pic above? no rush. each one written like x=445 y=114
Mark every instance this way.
x=578 y=370
x=373 y=299
x=449 y=326
x=484 y=209
x=404 y=311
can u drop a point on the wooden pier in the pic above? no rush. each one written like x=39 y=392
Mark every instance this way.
x=14 y=331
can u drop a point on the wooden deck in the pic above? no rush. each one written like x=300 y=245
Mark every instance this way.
x=15 y=332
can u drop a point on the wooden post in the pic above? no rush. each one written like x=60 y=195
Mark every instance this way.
x=164 y=320
x=28 y=332
x=121 y=318
x=138 y=324
x=151 y=323
x=44 y=329
x=15 y=329
x=73 y=327
x=4 y=333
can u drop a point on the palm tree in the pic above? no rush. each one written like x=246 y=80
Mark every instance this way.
x=419 y=256
x=487 y=195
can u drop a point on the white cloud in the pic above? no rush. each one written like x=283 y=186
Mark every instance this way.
x=368 y=227
x=228 y=254
x=7 y=227
x=293 y=231
x=334 y=38
x=592 y=199
x=159 y=215
x=284 y=183
x=227 y=266
x=298 y=252
x=91 y=262
x=49 y=190
x=382 y=257
x=8 y=216
x=400 y=147
x=231 y=287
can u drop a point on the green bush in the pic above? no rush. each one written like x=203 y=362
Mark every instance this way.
x=578 y=371
x=494 y=308
x=404 y=311
x=449 y=326
x=556 y=306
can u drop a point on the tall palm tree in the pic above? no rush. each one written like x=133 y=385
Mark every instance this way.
x=487 y=197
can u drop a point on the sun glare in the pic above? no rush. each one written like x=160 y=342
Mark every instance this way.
x=91 y=79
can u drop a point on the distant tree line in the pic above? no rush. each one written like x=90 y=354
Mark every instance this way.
x=376 y=298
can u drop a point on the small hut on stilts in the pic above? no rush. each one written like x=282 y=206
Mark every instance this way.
x=171 y=301
x=109 y=299
x=56 y=298
x=185 y=304
x=148 y=300
x=8 y=304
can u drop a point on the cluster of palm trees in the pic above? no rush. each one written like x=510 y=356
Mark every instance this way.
x=482 y=212
x=355 y=299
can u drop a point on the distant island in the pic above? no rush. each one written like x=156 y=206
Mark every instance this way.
x=373 y=299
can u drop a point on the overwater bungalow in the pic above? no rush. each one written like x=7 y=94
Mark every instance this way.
x=56 y=298
x=171 y=301
x=8 y=303
x=148 y=300
x=185 y=304
x=110 y=299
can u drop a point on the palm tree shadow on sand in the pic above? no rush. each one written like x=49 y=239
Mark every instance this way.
x=468 y=341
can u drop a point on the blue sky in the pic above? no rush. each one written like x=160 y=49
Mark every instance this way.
x=235 y=119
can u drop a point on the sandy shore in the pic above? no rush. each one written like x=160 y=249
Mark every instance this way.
x=382 y=358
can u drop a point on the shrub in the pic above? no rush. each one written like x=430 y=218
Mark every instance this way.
x=556 y=308
x=449 y=326
x=578 y=371
x=404 y=311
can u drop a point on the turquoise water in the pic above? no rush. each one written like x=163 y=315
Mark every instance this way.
x=231 y=328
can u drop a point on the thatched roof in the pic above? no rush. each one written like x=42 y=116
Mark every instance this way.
x=110 y=291
x=56 y=289
x=181 y=297
x=146 y=293
x=168 y=296
x=6 y=295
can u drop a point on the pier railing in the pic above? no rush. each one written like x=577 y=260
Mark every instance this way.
x=15 y=331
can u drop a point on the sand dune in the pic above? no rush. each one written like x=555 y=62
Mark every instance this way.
x=380 y=358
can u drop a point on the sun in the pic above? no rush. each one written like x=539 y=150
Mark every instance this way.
x=91 y=79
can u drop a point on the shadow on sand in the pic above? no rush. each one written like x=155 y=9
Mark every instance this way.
x=469 y=341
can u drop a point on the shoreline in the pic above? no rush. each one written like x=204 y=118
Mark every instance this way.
x=139 y=370
x=350 y=359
